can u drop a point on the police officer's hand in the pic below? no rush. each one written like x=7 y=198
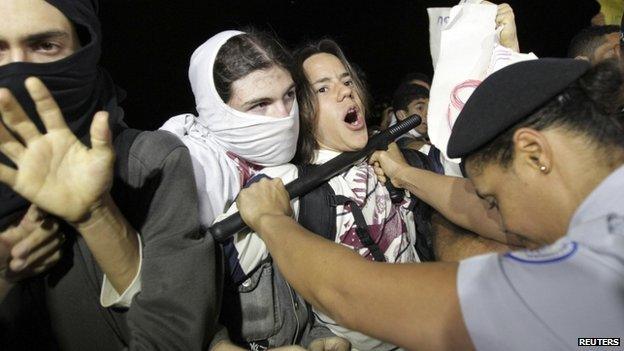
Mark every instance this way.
x=55 y=171
x=263 y=198
x=29 y=247
x=387 y=164
x=334 y=343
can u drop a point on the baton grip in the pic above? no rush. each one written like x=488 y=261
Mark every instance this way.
x=224 y=229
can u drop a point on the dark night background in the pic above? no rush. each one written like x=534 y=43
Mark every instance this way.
x=148 y=43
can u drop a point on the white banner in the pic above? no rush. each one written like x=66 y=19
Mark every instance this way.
x=468 y=52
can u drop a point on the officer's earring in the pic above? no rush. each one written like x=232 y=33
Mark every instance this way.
x=544 y=169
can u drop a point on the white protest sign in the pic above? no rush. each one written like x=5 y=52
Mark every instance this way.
x=438 y=18
x=468 y=53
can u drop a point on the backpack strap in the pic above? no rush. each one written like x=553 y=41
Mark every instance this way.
x=361 y=228
x=422 y=211
x=316 y=213
x=434 y=156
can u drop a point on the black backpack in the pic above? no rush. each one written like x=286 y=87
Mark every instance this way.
x=317 y=212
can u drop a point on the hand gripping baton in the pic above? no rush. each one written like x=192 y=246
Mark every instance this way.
x=221 y=231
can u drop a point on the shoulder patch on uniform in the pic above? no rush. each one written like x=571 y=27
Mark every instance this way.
x=548 y=254
x=615 y=224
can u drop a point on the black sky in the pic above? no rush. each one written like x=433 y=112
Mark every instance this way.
x=148 y=43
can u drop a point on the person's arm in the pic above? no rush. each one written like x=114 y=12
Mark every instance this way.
x=415 y=306
x=178 y=306
x=60 y=175
x=113 y=243
x=455 y=198
x=452 y=243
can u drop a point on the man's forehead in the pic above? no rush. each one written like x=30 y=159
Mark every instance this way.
x=27 y=16
x=28 y=19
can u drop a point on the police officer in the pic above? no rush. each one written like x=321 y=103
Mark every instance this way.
x=541 y=142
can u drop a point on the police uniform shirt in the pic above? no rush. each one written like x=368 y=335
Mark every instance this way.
x=547 y=299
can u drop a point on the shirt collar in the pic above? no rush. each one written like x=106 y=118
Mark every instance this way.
x=607 y=196
x=323 y=155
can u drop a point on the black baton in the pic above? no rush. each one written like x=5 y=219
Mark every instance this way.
x=221 y=231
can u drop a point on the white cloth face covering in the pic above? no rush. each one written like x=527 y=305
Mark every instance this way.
x=220 y=137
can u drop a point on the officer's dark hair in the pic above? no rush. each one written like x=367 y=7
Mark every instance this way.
x=244 y=54
x=307 y=98
x=588 y=108
x=406 y=93
x=412 y=76
x=589 y=39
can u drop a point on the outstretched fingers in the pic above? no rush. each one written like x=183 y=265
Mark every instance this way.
x=10 y=146
x=48 y=109
x=15 y=118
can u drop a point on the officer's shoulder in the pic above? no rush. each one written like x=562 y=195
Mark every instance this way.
x=152 y=148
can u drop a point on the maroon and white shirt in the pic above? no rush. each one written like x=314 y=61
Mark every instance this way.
x=390 y=225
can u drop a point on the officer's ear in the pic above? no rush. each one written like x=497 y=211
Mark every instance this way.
x=532 y=150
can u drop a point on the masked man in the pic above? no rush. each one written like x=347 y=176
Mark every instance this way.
x=135 y=272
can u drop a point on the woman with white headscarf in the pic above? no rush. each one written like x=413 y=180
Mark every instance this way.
x=247 y=119
x=247 y=115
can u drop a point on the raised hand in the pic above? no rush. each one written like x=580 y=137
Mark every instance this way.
x=55 y=171
x=508 y=36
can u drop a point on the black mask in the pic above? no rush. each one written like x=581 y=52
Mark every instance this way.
x=78 y=84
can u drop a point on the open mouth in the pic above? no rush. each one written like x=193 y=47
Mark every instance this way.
x=353 y=118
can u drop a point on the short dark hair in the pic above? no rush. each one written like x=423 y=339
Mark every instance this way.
x=406 y=93
x=588 y=107
x=307 y=99
x=411 y=76
x=589 y=39
x=244 y=54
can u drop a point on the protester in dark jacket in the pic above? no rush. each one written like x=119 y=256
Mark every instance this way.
x=123 y=281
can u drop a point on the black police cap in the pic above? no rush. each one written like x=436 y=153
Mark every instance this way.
x=507 y=97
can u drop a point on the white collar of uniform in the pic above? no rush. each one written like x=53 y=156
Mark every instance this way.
x=602 y=202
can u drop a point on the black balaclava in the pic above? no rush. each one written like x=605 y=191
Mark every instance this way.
x=78 y=84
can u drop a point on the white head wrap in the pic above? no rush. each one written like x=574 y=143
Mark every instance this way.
x=219 y=129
